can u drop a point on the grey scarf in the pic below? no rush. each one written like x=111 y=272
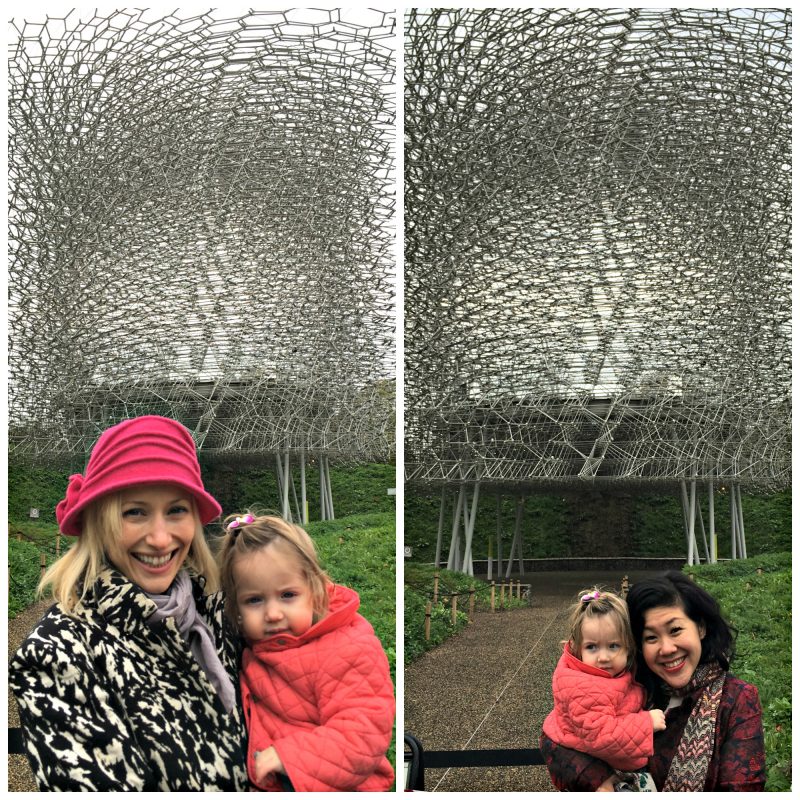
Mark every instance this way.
x=179 y=603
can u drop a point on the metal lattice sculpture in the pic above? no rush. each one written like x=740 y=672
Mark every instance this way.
x=201 y=226
x=598 y=250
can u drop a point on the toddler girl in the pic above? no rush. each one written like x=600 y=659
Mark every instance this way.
x=316 y=691
x=598 y=706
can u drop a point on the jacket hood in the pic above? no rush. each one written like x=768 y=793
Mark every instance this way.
x=573 y=662
x=343 y=604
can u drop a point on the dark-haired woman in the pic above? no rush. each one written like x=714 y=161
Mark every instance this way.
x=714 y=739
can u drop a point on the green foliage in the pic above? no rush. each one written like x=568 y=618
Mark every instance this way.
x=658 y=523
x=35 y=487
x=589 y=524
x=24 y=570
x=759 y=606
x=360 y=489
x=418 y=591
x=547 y=525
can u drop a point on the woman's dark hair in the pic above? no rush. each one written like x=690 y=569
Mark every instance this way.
x=673 y=588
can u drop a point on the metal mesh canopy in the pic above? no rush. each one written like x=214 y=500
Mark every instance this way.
x=201 y=226
x=598 y=247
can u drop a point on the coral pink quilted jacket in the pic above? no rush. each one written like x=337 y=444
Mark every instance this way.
x=324 y=700
x=599 y=715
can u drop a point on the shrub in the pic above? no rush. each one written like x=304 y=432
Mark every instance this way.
x=760 y=608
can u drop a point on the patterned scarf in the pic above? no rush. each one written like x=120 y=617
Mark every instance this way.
x=689 y=767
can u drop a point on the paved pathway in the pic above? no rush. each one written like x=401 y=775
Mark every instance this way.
x=489 y=687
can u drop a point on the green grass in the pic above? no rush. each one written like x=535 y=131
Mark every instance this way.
x=760 y=608
x=359 y=552
x=418 y=591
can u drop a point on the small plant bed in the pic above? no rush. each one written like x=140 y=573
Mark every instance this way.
x=756 y=597
x=27 y=543
x=420 y=585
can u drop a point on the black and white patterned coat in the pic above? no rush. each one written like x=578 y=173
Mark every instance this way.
x=108 y=702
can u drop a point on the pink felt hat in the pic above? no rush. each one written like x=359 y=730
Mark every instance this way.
x=144 y=450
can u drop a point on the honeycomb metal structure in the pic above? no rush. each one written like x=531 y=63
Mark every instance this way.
x=201 y=225
x=597 y=240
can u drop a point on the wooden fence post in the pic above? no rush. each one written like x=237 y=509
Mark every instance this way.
x=492 y=597
x=471 y=602
x=42 y=564
x=428 y=621
x=453 y=600
x=436 y=587
x=502 y=594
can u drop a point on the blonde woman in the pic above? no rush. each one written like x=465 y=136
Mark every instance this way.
x=129 y=682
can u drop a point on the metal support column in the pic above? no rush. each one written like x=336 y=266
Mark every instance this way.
x=712 y=533
x=303 y=498
x=696 y=503
x=286 y=509
x=470 y=528
x=742 y=545
x=515 y=542
x=456 y=530
x=329 y=487
x=693 y=556
x=441 y=528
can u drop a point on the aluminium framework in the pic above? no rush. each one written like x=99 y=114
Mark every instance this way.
x=597 y=278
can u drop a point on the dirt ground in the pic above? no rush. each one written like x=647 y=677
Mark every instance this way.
x=490 y=686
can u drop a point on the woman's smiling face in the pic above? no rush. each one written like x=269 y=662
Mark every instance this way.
x=672 y=644
x=158 y=525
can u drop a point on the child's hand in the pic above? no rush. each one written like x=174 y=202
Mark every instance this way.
x=658 y=719
x=268 y=761
x=608 y=784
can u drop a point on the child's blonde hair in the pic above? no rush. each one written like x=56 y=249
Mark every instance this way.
x=593 y=603
x=77 y=570
x=263 y=531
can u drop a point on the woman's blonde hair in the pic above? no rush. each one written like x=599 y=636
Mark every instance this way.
x=71 y=577
x=594 y=603
x=266 y=530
